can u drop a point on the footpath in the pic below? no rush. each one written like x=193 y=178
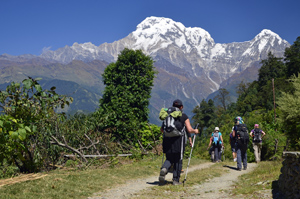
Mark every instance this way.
x=218 y=187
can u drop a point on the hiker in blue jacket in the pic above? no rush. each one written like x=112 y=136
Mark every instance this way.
x=217 y=141
x=174 y=147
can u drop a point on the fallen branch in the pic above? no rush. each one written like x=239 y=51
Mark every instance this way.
x=67 y=146
x=98 y=156
x=93 y=143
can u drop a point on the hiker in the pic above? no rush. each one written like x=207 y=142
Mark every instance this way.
x=217 y=141
x=257 y=134
x=240 y=133
x=174 y=146
x=232 y=144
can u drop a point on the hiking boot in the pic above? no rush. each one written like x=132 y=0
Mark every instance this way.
x=162 y=175
x=245 y=168
x=177 y=183
x=239 y=169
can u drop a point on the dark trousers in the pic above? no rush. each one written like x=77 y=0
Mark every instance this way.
x=241 y=152
x=217 y=155
x=175 y=159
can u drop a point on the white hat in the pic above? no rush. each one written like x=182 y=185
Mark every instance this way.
x=217 y=129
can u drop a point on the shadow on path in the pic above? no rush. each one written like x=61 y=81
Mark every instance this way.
x=230 y=167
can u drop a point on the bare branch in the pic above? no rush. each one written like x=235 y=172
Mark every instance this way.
x=67 y=146
x=93 y=143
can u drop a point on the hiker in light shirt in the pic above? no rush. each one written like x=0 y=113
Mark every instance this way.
x=257 y=134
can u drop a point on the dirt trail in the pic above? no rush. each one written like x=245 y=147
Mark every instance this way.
x=205 y=190
x=219 y=187
x=134 y=186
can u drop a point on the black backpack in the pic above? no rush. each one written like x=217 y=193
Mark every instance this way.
x=172 y=125
x=242 y=134
x=257 y=135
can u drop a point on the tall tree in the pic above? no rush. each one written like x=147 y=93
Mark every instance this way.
x=204 y=114
x=223 y=98
x=290 y=112
x=292 y=58
x=128 y=84
x=271 y=68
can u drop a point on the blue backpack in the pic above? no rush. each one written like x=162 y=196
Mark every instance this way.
x=216 y=138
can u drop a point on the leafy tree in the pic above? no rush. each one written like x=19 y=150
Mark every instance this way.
x=290 y=112
x=28 y=112
x=272 y=68
x=292 y=58
x=223 y=97
x=204 y=114
x=128 y=83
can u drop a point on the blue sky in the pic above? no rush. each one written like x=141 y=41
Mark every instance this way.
x=29 y=26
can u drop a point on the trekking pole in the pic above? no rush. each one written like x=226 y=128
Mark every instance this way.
x=162 y=161
x=187 y=169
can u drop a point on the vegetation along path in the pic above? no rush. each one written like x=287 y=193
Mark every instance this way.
x=216 y=187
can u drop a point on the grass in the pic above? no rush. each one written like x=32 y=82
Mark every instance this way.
x=264 y=177
x=75 y=183
x=83 y=183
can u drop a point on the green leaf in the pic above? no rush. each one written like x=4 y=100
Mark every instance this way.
x=27 y=129
x=34 y=128
x=27 y=83
x=13 y=134
x=38 y=79
x=22 y=134
x=38 y=87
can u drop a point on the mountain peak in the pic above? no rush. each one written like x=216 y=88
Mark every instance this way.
x=266 y=33
x=158 y=32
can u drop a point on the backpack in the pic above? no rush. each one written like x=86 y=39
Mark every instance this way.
x=242 y=134
x=257 y=135
x=171 y=122
x=216 y=138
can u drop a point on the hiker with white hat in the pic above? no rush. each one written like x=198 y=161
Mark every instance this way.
x=217 y=141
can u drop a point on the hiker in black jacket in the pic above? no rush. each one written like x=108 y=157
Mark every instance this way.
x=174 y=147
x=240 y=133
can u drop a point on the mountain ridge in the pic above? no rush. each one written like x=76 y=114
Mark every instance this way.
x=191 y=65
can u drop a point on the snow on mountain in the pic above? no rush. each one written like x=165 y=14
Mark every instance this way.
x=156 y=33
x=191 y=65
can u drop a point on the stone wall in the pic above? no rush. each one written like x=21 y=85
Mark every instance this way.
x=289 y=179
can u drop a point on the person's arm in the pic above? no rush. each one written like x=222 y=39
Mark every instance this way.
x=221 y=139
x=263 y=133
x=233 y=133
x=189 y=127
x=251 y=132
x=210 y=140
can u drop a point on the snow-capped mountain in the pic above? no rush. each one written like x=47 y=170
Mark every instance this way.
x=85 y=52
x=194 y=50
x=191 y=65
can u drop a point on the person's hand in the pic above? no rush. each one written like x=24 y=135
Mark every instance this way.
x=196 y=131
x=191 y=144
x=207 y=148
